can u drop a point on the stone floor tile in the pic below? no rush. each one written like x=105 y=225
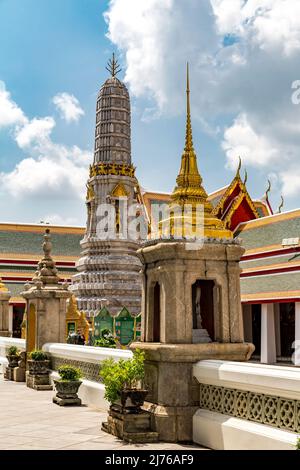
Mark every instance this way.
x=30 y=421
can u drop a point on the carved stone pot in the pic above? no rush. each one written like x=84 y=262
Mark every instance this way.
x=38 y=367
x=66 y=392
x=136 y=398
x=13 y=360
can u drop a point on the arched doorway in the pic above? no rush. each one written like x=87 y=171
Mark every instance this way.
x=31 y=329
x=156 y=314
x=203 y=306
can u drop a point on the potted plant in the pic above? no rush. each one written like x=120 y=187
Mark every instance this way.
x=38 y=363
x=67 y=386
x=107 y=340
x=13 y=356
x=123 y=382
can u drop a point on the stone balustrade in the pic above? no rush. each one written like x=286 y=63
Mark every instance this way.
x=247 y=406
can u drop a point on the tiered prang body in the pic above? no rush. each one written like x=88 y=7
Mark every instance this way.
x=109 y=269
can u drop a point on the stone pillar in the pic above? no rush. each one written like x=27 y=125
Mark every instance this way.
x=297 y=334
x=46 y=303
x=247 y=316
x=268 y=342
x=173 y=396
x=4 y=311
x=11 y=318
x=277 y=329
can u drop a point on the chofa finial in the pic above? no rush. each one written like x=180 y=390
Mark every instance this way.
x=268 y=189
x=281 y=205
x=239 y=167
x=246 y=177
x=113 y=66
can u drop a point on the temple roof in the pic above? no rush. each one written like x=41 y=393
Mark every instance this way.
x=271 y=263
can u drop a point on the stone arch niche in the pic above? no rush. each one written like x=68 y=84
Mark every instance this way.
x=203 y=302
x=156 y=313
x=31 y=329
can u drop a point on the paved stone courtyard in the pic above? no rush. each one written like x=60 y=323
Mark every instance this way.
x=30 y=421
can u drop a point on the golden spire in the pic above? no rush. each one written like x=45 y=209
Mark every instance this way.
x=189 y=189
x=189 y=134
x=189 y=180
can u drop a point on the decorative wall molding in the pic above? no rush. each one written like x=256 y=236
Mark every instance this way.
x=265 y=409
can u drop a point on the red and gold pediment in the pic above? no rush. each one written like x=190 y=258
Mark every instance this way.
x=235 y=206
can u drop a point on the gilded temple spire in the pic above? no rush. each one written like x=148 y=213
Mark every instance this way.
x=189 y=180
x=189 y=134
x=189 y=189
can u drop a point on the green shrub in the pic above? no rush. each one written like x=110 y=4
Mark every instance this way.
x=13 y=351
x=298 y=444
x=38 y=356
x=123 y=374
x=69 y=373
x=107 y=340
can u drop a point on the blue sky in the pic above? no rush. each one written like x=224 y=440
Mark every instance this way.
x=50 y=47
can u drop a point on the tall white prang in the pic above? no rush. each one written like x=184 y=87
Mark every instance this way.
x=109 y=268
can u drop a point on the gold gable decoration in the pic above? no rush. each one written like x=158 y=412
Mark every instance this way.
x=119 y=191
x=90 y=192
x=3 y=287
x=237 y=181
x=76 y=321
x=23 y=325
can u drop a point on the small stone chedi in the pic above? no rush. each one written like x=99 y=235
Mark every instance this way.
x=4 y=310
x=46 y=304
x=191 y=305
x=108 y=270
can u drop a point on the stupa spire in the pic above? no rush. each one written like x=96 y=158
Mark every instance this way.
x=113 y=66
x=189 y=189
x=189 y=179
x=189 y=133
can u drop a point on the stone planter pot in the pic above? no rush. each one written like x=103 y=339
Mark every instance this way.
x=135 y=397
x=13 y=360
x=66 y=392
x=38 y=367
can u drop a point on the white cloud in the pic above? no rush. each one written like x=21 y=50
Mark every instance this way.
x=68 y=107
x=10 y=113
x=36 y=131
x=248 y=81
x=271 y=24
x=241 y=140
x=291 y=182
x=46 y=178
x=51 y=171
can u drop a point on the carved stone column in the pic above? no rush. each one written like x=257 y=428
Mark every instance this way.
x=4 y=310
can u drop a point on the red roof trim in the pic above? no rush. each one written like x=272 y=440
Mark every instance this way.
x=266 y=272
x=34 y=263
x=270 y=254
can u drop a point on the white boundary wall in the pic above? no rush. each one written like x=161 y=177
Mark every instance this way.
x=5 y=343
x=219 y=431
x=91 y=393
